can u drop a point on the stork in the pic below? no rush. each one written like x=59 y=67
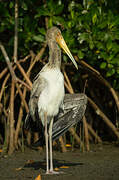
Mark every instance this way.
x=47 y=92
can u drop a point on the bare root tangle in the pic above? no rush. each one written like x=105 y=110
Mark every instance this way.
x=4 y=84
x=12 y=133
x=11 y=111
x=20 y=86
x=5 y=70
x=104 y=117
x=9 y=64
x=97 y=75
x=8 y=76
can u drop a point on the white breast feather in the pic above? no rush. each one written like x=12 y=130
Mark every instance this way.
x=53 y=94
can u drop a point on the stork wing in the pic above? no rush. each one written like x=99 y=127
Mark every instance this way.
x=38 y=85
x=74 y=109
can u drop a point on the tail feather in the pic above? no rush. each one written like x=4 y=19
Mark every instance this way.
x=28 y=122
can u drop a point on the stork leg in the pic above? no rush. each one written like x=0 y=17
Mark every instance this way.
x=50 y=141
x=46 y=141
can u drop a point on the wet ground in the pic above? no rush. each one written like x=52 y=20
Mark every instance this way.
x=101 y=163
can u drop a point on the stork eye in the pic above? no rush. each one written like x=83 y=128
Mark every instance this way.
x=58 y=34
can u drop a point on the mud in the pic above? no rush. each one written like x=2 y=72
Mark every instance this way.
x=101 y=163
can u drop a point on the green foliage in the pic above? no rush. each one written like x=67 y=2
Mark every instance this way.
x=91 y=30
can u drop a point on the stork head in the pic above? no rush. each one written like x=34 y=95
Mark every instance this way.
x=54 y=34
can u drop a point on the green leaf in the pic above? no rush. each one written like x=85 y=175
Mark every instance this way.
x=104 y=55
x=111 y=57
x=42 y=12
x=103 y=24
x=94 y=18
x=103 y=65
x=91 y=44
x=11 y=4
x=110 y=72
x=109 y=45
x=58 y=20
x=115 y=48
x=110 y=66
x=65 y=58
x=50 y=22
x=42 y=31
x=100 y=45
x=83 y=37
x=117 y=71
x=59 y=9
x=24 y=6
x=80 y=54
x=38 y=38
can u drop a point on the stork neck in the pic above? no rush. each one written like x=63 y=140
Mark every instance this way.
x=54 y=54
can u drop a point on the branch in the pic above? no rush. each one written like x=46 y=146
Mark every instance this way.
x=86 y=133
x=23 y=83
x=19 y=119
x=94 y=133
x=8 y=62
x=11 y=142
x=3 y=86
x=24 y=74
x=16 y=32
x=22 y=98
x=62 y=144
x=68 y=82
x=46 y=18
x=3 y=72
x=77 y=138
x=38 y=57
x=4 y=110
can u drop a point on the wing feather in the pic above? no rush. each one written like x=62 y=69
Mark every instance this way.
x=37 y=88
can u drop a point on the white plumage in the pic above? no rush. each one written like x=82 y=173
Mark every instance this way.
x=52 y=95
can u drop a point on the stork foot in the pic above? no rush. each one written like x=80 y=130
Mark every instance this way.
x=52 y=172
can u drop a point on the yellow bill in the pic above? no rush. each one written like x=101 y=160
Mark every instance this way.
x=60 y=40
